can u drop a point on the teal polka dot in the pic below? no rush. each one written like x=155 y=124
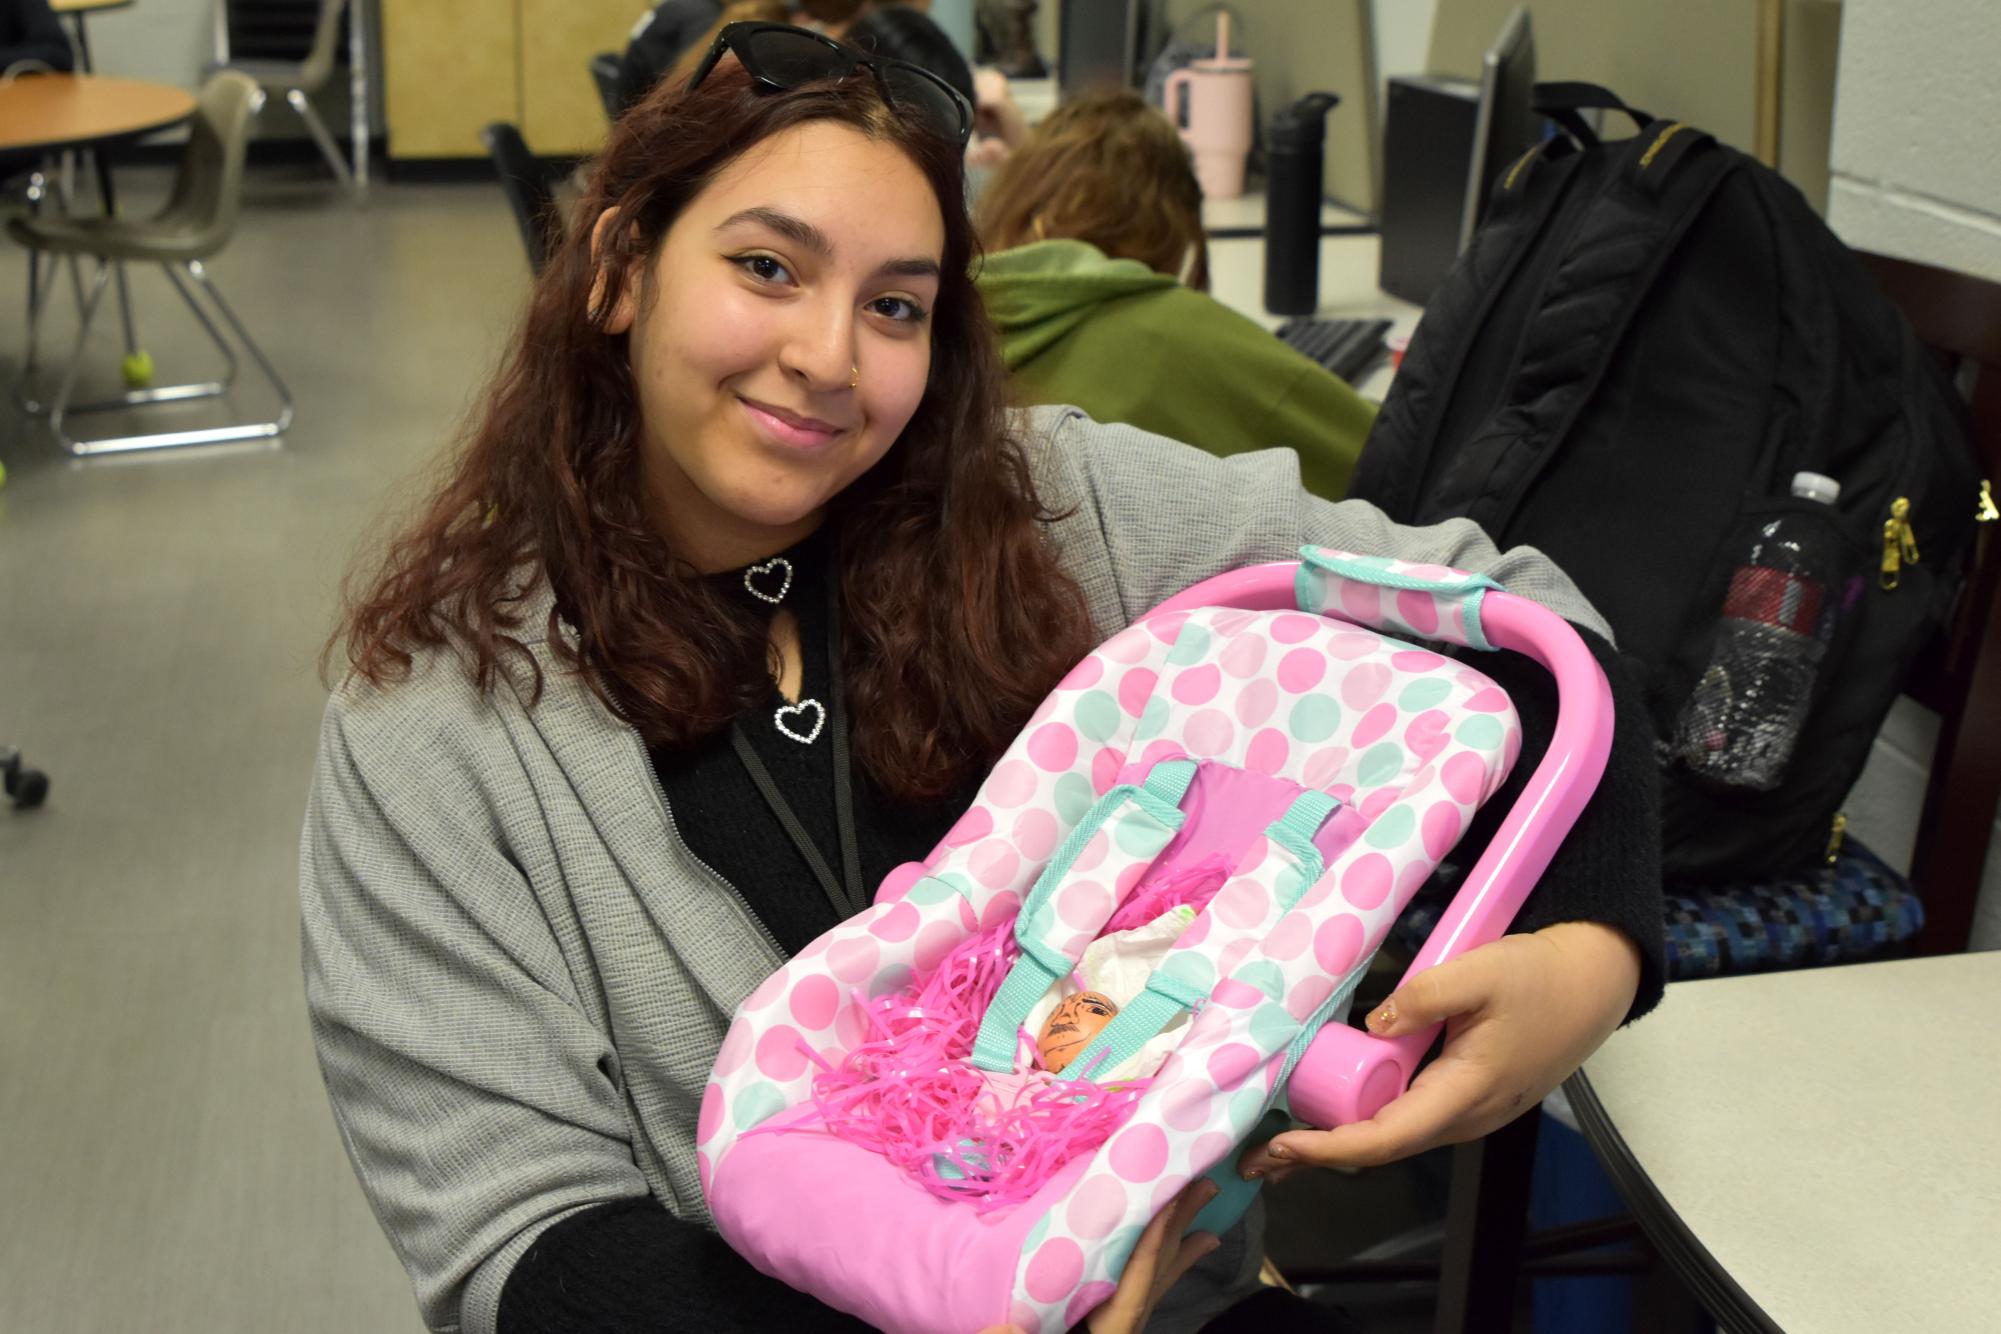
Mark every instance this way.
x=1119 y=1248
x=1138 y=834
x=1312 y=589
x=1482 y=731
x=1290 y=886
x=1424 y=693
x=1191 y=645
x=889 y=980
x=1191 y=967
x=1153 y=721
x=1379 y=765
x=1265 y=976
x=1314 y=718
x=1392 y=828
x=932 y=890
x=1036 y=1234
x=1074 y=796
x=1097 y=715
x=755 y=1105
x=1272 y=1027
x=1247 y=1104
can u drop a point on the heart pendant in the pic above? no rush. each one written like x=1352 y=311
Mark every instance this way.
x=782 y=720
x=777 y=564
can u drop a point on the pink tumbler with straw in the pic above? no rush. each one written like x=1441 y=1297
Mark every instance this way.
x=1210 y=103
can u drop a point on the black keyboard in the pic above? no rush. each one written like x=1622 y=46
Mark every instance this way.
x=1346 y=347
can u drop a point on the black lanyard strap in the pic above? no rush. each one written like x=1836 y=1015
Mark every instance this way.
x=846 y=895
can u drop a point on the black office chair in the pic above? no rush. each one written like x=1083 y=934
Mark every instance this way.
x=25 y=787
x=608 y=73
x=529 y=188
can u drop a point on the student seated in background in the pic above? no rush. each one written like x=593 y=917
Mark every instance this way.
x=1096 y=276
x=906 y=33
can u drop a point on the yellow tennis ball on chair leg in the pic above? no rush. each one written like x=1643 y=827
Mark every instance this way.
x=138 y=368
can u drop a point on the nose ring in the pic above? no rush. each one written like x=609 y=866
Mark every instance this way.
x=854 y=377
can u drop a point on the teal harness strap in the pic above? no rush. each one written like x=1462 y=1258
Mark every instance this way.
x=1040 y=964
x=1167 y=994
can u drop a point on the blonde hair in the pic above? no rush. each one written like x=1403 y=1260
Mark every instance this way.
x=1109 y=169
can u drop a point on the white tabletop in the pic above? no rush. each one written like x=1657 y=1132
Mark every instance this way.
x=1246 y=212
x=1831 y=1138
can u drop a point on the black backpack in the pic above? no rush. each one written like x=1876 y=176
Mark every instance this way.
x=1644 y=343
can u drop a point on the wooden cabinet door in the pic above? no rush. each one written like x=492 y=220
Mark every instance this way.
x=561 y=113
x=449 y=70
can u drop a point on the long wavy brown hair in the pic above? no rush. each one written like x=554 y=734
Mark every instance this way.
x=1110 y=169
x=958 y=617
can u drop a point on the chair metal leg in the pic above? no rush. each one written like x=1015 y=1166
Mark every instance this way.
x=318 y=129
x=357 y=93
x=1485 y=1224
x=60 y=404
x=166 y=393
x=108 y=197
x=170 y=439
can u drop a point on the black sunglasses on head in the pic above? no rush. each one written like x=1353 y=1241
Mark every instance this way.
x=780 y=57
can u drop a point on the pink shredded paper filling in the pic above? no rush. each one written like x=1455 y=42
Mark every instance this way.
x=910 y=1092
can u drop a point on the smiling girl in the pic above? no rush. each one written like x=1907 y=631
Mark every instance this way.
x=743 y=578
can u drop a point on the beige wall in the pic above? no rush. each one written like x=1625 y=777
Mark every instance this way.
x=1304 y=46
x=1693 y=60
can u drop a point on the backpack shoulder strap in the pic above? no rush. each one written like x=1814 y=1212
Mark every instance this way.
x=1395 y=461
x=1661 y=183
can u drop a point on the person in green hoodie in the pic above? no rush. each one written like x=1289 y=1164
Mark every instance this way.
x=1096 y=276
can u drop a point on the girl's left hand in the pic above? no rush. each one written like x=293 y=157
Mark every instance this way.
x=1520 y=1014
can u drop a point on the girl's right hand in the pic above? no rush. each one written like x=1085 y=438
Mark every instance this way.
x=1148 y=1274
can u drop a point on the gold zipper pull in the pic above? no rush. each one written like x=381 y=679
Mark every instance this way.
x=1836 y=834
x=1893 y=550
x=1900 y=543
x=1986 y=512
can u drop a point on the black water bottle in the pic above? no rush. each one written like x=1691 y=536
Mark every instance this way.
x=1293 y=156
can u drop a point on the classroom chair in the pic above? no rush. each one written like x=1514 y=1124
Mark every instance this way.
x=196 y=222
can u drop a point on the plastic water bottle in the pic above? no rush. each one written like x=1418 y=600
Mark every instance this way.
x=1743 y=721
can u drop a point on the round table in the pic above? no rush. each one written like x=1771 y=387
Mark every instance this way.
x=47 y=113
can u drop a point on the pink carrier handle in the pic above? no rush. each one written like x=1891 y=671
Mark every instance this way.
x=1348 y=1074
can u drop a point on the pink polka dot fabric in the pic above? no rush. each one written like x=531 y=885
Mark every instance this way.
x=1307 y=700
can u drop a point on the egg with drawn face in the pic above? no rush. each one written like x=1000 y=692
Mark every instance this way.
x=1071 y=1026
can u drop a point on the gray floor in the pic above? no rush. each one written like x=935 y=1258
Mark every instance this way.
x=167 y=1162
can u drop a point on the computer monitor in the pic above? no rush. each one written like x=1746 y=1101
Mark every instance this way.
x=1506 y=125
x=1105 y=44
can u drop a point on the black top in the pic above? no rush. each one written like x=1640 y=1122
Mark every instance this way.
x=727 y=824
x=629 y=1266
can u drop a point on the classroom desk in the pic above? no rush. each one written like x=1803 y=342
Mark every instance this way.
x=47 y=113
x=1816 y=1151
x=1347 y=290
